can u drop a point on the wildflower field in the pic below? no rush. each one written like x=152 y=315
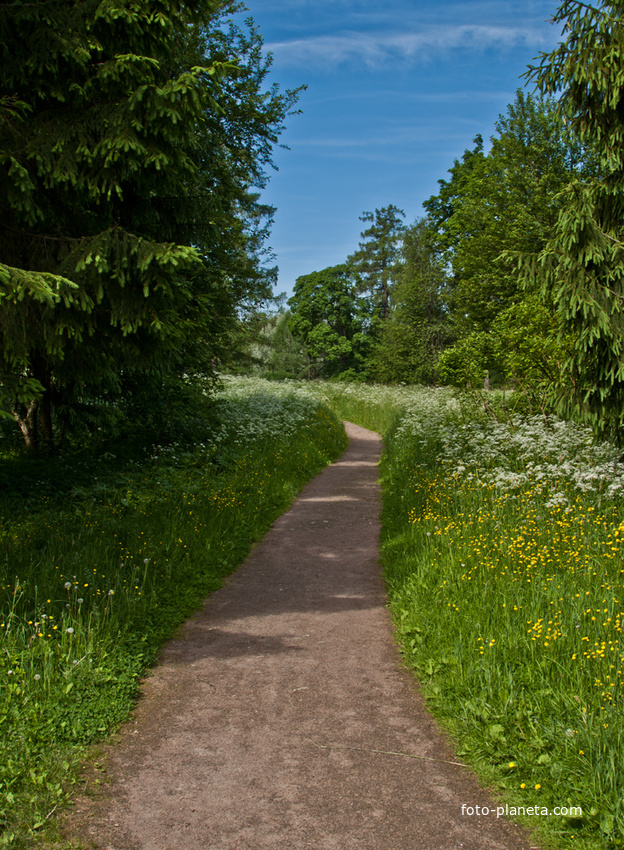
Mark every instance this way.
x=503 y=549
x=99 y=566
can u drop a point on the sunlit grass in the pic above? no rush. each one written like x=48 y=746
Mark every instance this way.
x=503 y=547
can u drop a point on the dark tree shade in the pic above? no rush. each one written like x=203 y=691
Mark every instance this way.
x=134 y=137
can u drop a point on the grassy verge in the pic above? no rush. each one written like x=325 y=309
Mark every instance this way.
x=503 y=547
x=374 y=407
x=95 y=576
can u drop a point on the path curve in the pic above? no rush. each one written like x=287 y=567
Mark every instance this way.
x=274 y=720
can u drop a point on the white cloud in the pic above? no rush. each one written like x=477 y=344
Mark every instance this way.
x=379 y=49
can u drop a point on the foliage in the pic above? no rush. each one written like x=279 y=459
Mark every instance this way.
x=375 y=261
x=416 y=329
x=111 y=554
x=266 y=347
x=503 y=201
x=442 y=207
x=331 y=320
x=287 y=357
x=580 y=269
x=521 y=350
x=133 y=141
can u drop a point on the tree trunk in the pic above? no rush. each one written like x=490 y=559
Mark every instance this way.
x=27 y=419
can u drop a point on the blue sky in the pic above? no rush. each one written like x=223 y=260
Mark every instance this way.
x=397 y=90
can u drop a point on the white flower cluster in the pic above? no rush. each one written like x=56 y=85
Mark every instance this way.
x=254 y=409
x=508 y=455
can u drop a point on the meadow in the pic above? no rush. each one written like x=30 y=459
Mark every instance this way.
x=101 y=559
x=503 y=552
x=503 y=555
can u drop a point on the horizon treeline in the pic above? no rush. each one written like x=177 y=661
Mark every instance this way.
x=445 y=299
x=135 y=141
x=513 y=276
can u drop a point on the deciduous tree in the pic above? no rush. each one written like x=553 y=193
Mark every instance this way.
x=332 y=321
x=504 y=201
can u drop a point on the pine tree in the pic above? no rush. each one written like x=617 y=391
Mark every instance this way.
x=417 y=328
x=581 y=268
x=375 y=261
x=134 y=137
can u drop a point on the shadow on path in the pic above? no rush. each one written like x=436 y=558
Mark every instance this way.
x=281 y=718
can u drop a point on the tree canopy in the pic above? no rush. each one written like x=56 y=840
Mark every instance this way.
x=417 y=327
x=375 y=261
x=580 y=269
x=332 y=321
x=503 y=201
x=134 y=139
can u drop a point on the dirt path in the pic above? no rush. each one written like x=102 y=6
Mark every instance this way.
x=277 y=720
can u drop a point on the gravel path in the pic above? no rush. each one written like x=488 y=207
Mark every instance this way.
x=281 y=718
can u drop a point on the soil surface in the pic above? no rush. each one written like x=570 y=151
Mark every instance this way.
x=281 y=718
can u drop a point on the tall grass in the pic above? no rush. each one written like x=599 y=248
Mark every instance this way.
x=503 y=547
x=95 y=578
x=375 y=407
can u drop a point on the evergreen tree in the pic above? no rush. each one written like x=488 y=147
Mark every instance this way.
x=417 y=329
x=133 y=140
x=375 y=261
x=581 y=268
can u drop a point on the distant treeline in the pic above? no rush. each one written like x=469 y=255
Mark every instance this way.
x=514 y=274
x=134 y=140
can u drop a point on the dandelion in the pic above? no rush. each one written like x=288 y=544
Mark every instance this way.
x=70 y=630
x=67 y=585
x=37 y=677
x=538 y=786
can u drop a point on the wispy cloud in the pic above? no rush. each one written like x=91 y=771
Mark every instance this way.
x=380 y=49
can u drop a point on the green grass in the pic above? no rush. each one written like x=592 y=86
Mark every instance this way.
x=101 y=561
x=373 y=407
x=504 y=561
x=503 y=548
